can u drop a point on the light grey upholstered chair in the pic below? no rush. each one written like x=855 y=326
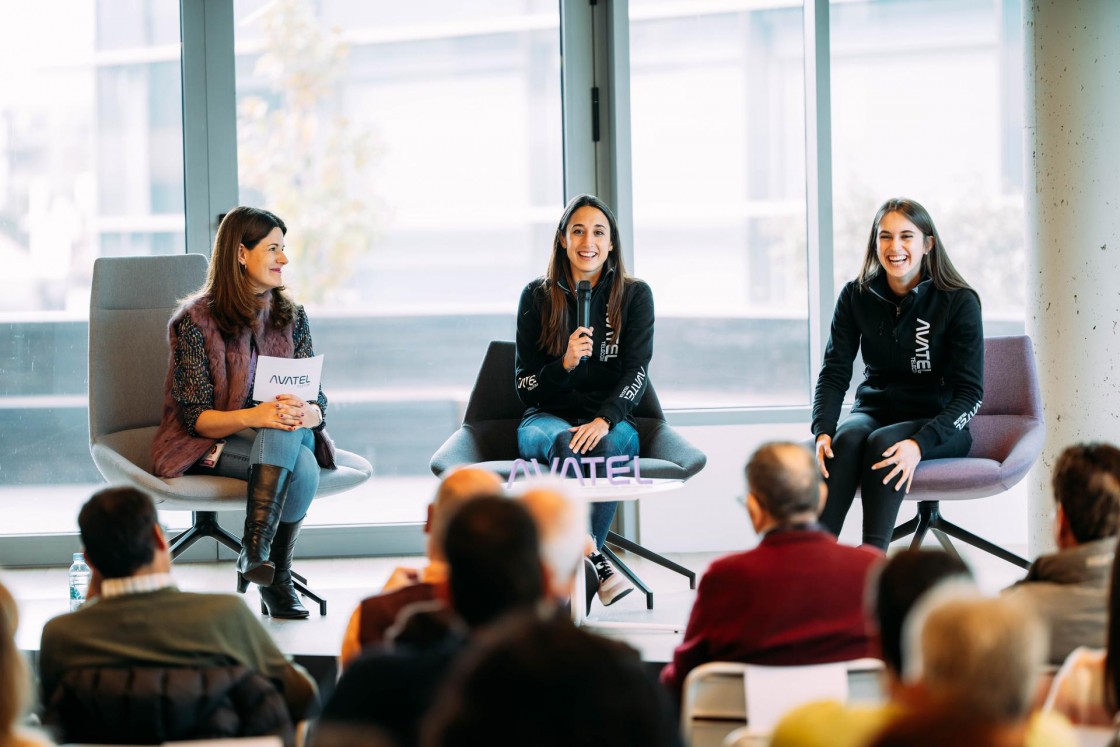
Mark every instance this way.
x=131 y=301
x=488 y=439
x=1007 y=437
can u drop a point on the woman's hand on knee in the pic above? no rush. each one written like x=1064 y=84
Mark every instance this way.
x=824 y=450
x=904 y=456
x=279 y=414
x=306 y=414
x=587 y=436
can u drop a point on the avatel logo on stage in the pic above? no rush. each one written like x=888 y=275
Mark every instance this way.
x=616 y=470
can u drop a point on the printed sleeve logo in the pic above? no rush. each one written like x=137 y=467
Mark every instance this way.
x=962 y=421
x=528 y=383
x=920 y=363
x=608 y=348
x=631 y=390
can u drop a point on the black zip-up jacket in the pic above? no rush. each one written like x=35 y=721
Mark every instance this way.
x=609 y=383
x=924 y=356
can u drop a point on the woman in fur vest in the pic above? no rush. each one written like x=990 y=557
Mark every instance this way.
x=211 y=422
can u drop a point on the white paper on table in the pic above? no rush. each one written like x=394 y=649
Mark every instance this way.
x=772 y=692
x=298 y=376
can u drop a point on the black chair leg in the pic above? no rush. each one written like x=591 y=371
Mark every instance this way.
x=929 y=518
x=626 y=571
x=205 y=524
x=630 y=546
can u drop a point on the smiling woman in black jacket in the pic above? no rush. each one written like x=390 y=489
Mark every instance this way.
x=917 y=323
x=581 y=384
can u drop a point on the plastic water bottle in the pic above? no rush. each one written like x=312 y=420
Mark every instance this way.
x=79 y=581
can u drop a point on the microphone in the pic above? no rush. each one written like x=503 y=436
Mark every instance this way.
x=583 y=307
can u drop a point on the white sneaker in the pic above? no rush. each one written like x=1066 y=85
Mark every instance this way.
x=612 y=586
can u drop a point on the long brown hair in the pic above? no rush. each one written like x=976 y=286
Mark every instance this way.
x=15 y=684
x=554 y=330
x=233 y=304
x=935 y=263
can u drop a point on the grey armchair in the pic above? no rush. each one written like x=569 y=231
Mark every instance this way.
x=488 y=439
x=1007 y=437
x=131 y=301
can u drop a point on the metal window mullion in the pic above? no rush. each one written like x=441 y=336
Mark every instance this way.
x=818 y=179
x=209 y=118
x=577 y=77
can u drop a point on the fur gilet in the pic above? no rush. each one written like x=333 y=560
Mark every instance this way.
x=173 y=449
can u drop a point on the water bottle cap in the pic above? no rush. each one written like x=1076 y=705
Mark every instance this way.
x=79 y=557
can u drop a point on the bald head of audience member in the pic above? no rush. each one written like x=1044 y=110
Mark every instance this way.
x=784 y=486
x=562 y=530
x=974 y=654
x=459 y=486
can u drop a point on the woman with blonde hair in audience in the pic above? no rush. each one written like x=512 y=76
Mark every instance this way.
x=15 y=682
x=1087 y=688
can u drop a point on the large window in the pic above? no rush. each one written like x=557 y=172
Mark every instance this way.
x=90 y=165
x=927 y=103
x=415 y=152
x=718 y=125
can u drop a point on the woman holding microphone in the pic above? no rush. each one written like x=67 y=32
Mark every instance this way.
x=211 y=422
x=917 y=323
x=581 y=383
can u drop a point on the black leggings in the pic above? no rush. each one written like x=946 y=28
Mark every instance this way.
x=860 y=442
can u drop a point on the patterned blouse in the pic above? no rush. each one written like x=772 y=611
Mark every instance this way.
x=193 y=388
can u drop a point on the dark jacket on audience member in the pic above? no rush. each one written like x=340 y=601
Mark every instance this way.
x=797 y=598
x=1069 y=590
x=392 y=689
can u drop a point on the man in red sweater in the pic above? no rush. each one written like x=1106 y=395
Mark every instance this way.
x=796 y=598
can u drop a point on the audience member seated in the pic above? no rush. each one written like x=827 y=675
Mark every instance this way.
x=1069 y=588
x=15 y=681
x=377 y=613
x=892 y=592
x=794 y=599
x=137 y=617
x=978 y=660
x=1087 y=687
x=538 y=680
x=494 y=568
x=982 y=651
x=564 y=541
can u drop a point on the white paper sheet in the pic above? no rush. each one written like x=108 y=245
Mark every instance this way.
x=298 y=376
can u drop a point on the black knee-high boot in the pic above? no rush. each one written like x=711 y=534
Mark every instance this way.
x=268 y=486
x=280 y=598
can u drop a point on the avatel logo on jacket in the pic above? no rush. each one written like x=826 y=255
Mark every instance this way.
x=920 y=363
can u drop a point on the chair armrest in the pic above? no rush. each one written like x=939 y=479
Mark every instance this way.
x=660 y=441
x=464 y=446
x=1031 y=434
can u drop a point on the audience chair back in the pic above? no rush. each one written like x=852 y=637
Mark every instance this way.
x=488 y=436
x=152 y=705
x=714 y=703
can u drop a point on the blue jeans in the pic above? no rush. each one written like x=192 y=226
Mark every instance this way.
x=292 y=450
x=545 y=437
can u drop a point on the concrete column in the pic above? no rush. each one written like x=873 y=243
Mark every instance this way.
x=1073 y=228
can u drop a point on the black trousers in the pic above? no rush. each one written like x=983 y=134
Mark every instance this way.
x=859 y=442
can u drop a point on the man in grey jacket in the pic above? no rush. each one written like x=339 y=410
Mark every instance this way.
x=1069 y=588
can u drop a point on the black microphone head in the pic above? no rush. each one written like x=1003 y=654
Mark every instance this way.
x=583 y=286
